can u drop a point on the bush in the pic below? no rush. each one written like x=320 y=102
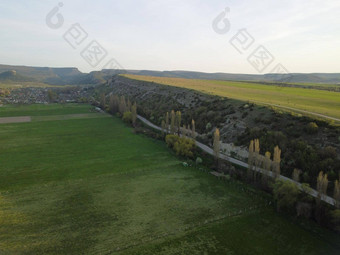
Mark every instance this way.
x=336 y=219
x=182 y=146
x=328 y=152
x=199 y=161
x=286 y=194
x=185 y=147
x=171 y=140
x=312 y=128
x=127 y=117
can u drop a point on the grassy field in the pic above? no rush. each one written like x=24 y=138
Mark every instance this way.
x=92 y=186
x=312 y=100
x=44 y=110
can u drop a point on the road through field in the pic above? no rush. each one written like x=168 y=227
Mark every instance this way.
x=22 y=119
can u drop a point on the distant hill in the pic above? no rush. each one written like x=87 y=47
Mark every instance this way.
x=72 y=76
x=54 y=76
x=326 y=78
x=12 y=76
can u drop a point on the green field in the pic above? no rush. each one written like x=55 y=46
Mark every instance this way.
x=44 y=110
x=92 y=186
x=314 y=101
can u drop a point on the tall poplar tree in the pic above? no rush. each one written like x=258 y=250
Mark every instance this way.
x=276 y=162
x=172 y=125
x=217 y=144
x=167 y=123
x=134 y=113
x=337 y=193
x=178 y=122
x=193 y=131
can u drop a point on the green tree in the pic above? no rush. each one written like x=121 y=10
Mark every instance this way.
x=276 y=162
x=257 y=159
x=172 y=125
x=127 y=117
x=184 y=130
x=322 y=184
x=254 y=159
x=178 y=122
x=134 y=113
x=171 y=140
x=128 y=105
x=296 y=175
x=267 y=163
x=163 y=127
x=286 y=194
x=217 y=144
x=312 y=128
x=167 y=123
x=337 y=193
x=185 y=147
x=181 y=145
x=199 y=161
x=103 y=101
x=51 y=96
x=251 y=157
x=336 y=219
x=193 y=131
x=111 y=103
x=122 y=105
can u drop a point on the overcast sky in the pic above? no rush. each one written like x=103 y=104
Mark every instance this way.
x=302 y=35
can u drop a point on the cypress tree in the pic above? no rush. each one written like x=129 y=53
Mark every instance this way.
x=296 y=175
x=337 y=193
x=276 y=162
x=134 y=113
x=163 y=127
x=193 y=132
x=267 y=168
x=178 y=122
x=102 y=101
x=128 y=106
x=250 y=160
x=167 y=123
x=172 y=125
x=217 y=144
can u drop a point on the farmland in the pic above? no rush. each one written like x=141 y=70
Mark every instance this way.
x=93 y=186
x=287 y=98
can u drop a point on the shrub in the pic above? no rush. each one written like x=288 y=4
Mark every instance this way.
x=336 y=219
x=328 y=152
x=245 y=114
x=312 y=128
x=182 y=146
x=286 y=194
x=171 y=140
x=199 y=161
x=127 y=117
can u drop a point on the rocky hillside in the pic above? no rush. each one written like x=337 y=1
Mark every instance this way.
x=306 y=144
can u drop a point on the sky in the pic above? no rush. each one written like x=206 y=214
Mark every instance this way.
x=196 y=35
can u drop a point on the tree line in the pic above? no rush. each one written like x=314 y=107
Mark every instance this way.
x=120 y=106
x=264 y=171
